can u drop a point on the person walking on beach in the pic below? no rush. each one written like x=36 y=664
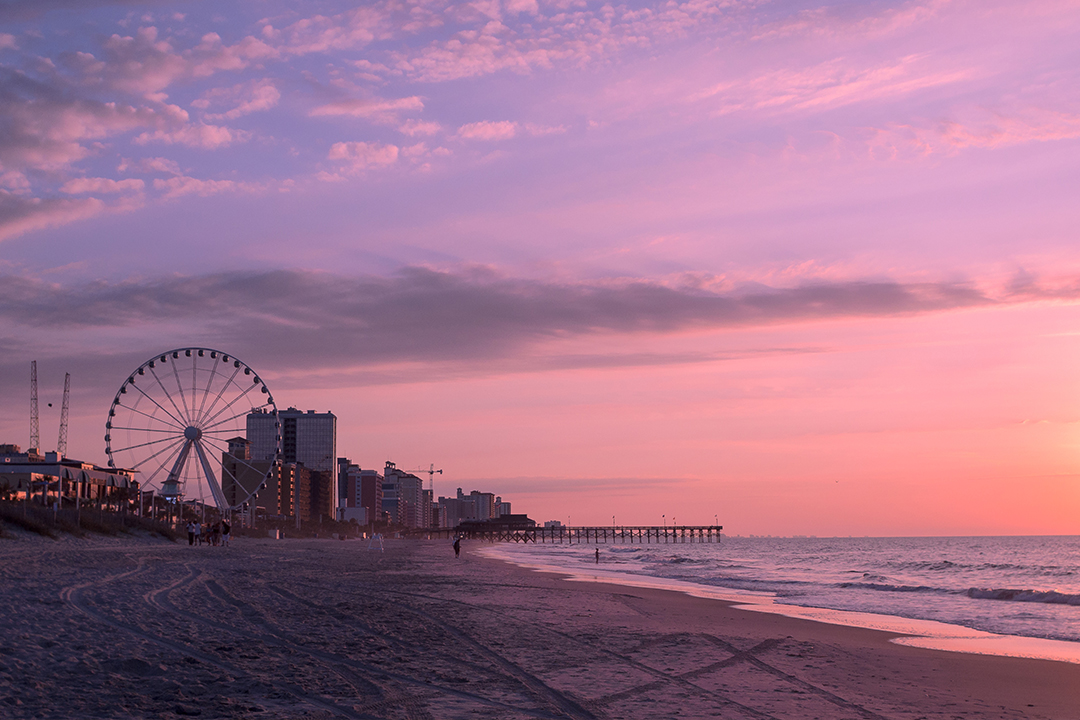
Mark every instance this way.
x=225 y=532
x=198 y=533
x=457 y=547
x=597 y=556
x=190 y=533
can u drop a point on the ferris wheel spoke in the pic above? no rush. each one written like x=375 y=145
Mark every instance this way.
x=194 y=384
x=157 y=430
x=206 y=391
x=260 y=473
x=179 y=422
x=169 y=461
x=223 y=447
x=226 y=431
x=180 y=387
x=168 y=395
x=221 y=393
x=165 y=449
x=229 y=419
x=141 y=445
x=236 y=481
x=208 y=428
x=146 y=415
x=238 y=398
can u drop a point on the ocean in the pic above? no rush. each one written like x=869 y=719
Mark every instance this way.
x=1019 y=587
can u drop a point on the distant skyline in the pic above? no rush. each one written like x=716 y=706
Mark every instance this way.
x=812 y=268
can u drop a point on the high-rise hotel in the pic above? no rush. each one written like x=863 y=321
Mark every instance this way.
x=308 y=438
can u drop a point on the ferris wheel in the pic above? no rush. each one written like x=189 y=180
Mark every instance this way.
x=180 y=421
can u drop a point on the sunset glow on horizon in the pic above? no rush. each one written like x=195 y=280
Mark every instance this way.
x=808 y=268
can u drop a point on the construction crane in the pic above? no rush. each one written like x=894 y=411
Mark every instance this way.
x=61 y=441
x=431 y=478
x=35 y=441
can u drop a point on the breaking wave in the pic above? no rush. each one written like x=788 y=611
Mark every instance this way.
x=1051 y=597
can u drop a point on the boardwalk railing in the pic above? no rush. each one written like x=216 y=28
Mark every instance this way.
x=628 y=534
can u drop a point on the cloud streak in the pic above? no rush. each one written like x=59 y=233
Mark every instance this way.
x=425 y=316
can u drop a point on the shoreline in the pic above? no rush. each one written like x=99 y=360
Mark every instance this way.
x=914 y=632
x=996 y=677
x=275 y=630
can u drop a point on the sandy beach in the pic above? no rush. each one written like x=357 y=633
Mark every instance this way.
x=138 y=628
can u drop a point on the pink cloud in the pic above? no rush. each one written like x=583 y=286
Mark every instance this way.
x=528 y=7
x=150 y=165
x=973 y=129
x=345 y=31
x=472 y=54
x=101 y=185
x=247 y=98
x=145 y=64
x=1035 y=125
x=376 y=109
x=140 y=63
x=211 y=55
x=183 y=185
x=7 y=42
x=360 y=155
x=828 y=85
x=14 y=181
x=488 y=130
x=47 y=131
x=412 y=128
x=541 y=130
x=200 y=136
x=20 y=214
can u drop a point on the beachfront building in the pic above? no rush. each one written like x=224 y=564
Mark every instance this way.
x=291 y=488
x=483 y=505
x=363 y=489
x=371 y=493
x=403 y=497
x=241 y=475
x=477 y=506
x=307 y=438
x=47 y=477
x=426 y=504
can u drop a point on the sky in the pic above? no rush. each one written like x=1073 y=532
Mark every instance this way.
x=793 y=267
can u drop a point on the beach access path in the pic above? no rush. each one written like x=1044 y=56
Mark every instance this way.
x=139 y=628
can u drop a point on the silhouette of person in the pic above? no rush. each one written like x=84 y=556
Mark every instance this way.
x=597 y=556
x=457 y=547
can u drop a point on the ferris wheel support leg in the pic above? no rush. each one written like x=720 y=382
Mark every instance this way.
x=173 y=481
x=211 y=480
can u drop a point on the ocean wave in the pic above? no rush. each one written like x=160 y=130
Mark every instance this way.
x=929 y=565
x=1051 y=597
x=952 y=567
x=889 y=587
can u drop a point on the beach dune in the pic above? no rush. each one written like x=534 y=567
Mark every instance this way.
x=329 y=629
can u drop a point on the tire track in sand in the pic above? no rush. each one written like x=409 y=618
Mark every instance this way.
x=276 y=637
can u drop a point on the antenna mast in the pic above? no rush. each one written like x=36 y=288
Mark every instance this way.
x=61 y=442
x=35 y=441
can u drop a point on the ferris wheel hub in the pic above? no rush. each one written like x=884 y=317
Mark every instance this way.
x=192 y=433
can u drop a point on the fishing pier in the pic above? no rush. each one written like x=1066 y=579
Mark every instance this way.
x=563 y=534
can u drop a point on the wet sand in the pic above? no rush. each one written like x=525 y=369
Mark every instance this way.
x=328 y=629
